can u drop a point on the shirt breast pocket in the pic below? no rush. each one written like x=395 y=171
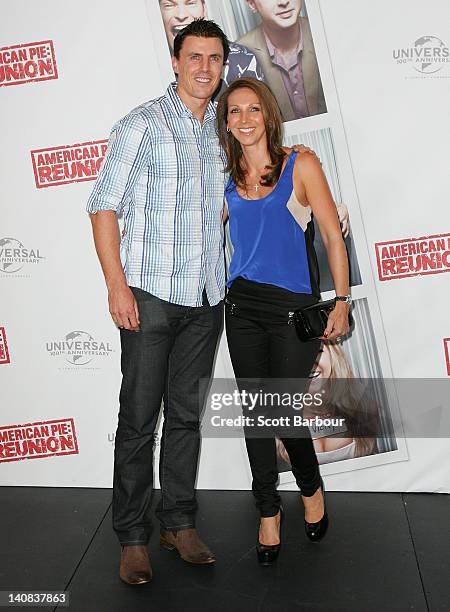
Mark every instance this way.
x=163 y=159
x=175 y=158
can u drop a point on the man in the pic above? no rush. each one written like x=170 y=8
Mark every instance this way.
x=284 y=47
x=164 y=173
x=177 y=14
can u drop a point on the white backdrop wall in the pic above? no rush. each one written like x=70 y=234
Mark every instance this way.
x=383 y=146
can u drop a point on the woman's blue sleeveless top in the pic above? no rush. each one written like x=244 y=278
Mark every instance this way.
x=273 y=237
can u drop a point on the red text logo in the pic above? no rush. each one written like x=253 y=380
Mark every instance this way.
x=68 y=164
x=4 y=353
x=36 y=440
x=27 y=63
x=413 y=256
x=447 y=353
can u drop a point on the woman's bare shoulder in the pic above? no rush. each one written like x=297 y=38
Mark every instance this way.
x=308 y=161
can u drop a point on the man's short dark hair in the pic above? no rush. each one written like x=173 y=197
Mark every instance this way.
x=203 y=28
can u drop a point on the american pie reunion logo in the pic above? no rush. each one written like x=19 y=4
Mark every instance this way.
x=447 y=353
x=68 y=164
x=27 y=63
x=4 y=351
x=36 y=440
x=413 y=256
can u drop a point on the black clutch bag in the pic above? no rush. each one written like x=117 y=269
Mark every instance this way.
x=311 y=321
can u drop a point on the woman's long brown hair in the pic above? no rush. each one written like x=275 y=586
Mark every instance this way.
x=274 y=131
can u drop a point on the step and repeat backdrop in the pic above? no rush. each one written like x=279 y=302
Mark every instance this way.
x=366 y=86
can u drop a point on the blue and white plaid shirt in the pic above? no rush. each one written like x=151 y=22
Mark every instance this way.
x=164 y=172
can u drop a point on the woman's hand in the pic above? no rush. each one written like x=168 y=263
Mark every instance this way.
x=337 y=326
x=344 y=219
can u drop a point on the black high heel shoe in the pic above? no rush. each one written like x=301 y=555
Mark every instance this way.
x=268 y=554
x=316 y=531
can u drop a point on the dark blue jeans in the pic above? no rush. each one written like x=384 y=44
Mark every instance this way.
x=164 y=361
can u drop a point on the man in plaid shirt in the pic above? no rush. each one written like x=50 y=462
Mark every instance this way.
x=165 y=277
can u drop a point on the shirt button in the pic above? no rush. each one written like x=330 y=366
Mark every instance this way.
x=296 y=92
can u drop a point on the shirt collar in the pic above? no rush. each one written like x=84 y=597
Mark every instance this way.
x=180 y=107
x=273 y=50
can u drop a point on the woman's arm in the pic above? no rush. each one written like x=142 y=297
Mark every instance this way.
x=311 y=186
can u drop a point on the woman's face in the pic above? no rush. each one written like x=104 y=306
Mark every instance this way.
x=245 y=117
x=322 y=367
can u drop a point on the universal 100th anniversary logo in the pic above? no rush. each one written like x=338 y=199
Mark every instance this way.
x=428 y=55
x=17 y=257
x=79 y=349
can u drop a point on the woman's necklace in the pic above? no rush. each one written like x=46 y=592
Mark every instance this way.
x=256 y=186
x=252 y=187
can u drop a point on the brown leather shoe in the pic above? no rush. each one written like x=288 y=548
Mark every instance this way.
x=188 y=545
x=135 y=565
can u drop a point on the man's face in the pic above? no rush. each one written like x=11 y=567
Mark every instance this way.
x=199 y=66
x=177 y=14
x=275 y=13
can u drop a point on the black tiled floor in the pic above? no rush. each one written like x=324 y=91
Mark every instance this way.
x=429 y=519
x=44 y=532
x=384 y=551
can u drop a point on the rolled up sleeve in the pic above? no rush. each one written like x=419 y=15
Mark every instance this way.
x=125 y=157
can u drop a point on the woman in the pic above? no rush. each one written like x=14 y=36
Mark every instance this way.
x=270 y=199
x=357 y=438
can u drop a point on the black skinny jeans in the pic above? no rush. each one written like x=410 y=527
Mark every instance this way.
x=165 y=360
x=262 y=346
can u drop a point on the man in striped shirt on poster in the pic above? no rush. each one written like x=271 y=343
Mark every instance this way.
x=164 y=173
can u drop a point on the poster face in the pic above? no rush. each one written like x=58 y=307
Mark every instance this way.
x=270 y=41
